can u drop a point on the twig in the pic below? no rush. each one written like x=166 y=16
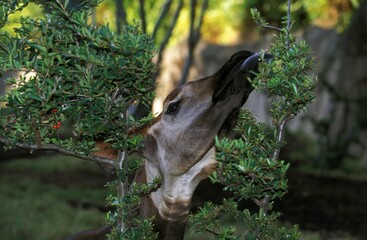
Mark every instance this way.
x=269 y=27
x=121 y=17
x=288 y=22
x=169 y=32
x=281 y=126
x=191 y=44
x=263 y=203
x=165 y=8
x=142 y=16
x=193 y=37
x=121 y=186
x=280 y=135
x=55 y=148
x=289 y=17
x=266 y=25
x=64 y=11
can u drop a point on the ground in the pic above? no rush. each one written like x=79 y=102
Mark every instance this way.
x=334 y=206
x=52 y=196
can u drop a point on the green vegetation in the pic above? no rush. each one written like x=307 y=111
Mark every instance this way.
x=52 y=196
x=84 y=72
x=249 y=166
x=88 y=77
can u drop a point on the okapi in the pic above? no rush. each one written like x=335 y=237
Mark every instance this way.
x=179 y=145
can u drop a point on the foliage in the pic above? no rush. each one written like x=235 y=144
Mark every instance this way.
x=250 y=162
x=10 y=7
x=82 y=72
x=249 y=167
x=77 y=81
x=126 y=207
x=84 y=79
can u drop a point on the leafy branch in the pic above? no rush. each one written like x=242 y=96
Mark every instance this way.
x=59 y=149
x=84 y=75
x=287 y=57
x=84 y=78
x=249 y=167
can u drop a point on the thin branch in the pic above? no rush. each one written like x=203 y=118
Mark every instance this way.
x=289 y=16
x=270 y=27
x=55 y=148
x=121 y=16
x=142 y=16
x=280 y=135
x=191 y=44
x=288 y=22
x=192 y=16
x=121 y=186
x=263 y=203
x=64 y=11
x=165 y=8
x=281 y=126
x=169 y=32
x=204 y=6
x=193 y=37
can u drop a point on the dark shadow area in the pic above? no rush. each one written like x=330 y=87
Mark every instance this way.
x=314 y=203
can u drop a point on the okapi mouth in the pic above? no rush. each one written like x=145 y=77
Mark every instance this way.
x=236 y=86
x=241 y=67
x=181 y=171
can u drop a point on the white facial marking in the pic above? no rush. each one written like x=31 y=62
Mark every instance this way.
x=179 y=189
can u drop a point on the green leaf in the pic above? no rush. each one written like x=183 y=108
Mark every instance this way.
x=35 y=97
x=295 y=90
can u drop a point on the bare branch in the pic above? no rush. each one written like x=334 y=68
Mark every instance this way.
x=193 y=37
x=288 y=22
x=192 y=16
x=281 y=126
x=169 y=32
x=289 y=17
x=142 y=16
x=121 y=186
x=263 y=203
x=280 y=135
x=121 y=16
x=165 y=8
x=269 y=27
x=204 y=6
x=55 y=148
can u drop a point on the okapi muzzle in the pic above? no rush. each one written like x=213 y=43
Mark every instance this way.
x=179 y=146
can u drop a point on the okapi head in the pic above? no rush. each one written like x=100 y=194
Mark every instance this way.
x=179 y=146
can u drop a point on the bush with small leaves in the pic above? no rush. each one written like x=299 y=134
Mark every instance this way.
x=249 y=166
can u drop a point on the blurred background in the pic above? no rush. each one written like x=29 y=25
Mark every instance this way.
x=49 y=196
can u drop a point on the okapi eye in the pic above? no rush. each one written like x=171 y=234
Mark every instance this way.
x=172 y=107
